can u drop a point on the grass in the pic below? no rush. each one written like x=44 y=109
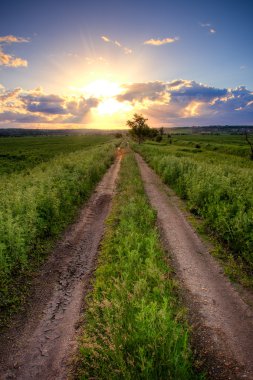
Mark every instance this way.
x=24 y=153
x=35 y=207
x=134 y=327
x=217 y=188
x=228 y=144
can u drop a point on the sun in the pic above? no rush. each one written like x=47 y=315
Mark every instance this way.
x=102 y=88
x=111 y=106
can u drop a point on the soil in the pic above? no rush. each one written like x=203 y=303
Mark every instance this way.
x=222 y=323
x=41 y=340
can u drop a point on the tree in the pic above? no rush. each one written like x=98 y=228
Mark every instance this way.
x=139 y=128
x=250 y=144
x=161 y=131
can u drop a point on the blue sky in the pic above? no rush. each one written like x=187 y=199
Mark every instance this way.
x=62 y=47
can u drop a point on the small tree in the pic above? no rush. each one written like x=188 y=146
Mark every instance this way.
x=139 y=128
x=161 y=131
x=250 y=144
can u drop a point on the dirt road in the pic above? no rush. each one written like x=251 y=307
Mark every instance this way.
x=39 y=344
x=223 y=323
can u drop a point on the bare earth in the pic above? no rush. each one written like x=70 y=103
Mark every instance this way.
x=40 y=343
x=222 y=321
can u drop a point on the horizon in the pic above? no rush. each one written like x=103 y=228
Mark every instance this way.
x=92 y=66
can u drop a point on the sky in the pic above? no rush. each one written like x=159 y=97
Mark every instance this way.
x=93 y=64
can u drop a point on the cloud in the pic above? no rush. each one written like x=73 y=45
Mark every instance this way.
x=35 y=106
x=209 y=27
x=137 y=92
x=106 y=39
x=116 y=43
x=12 y=39
x=178 y=102
x=159 y=42
x=10 y=60
x=186 y=102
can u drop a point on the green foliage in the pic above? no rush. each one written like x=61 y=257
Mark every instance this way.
x=217 y=187
x=24 y=153
x=35 y=206
x=228 y=144
x=139 y=129
x=134 y=326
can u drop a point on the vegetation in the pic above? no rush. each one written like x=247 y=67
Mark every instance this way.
x=235 y=145
x=36 y=205
x=134 y=326
x=217 y=187
x=139 y=129
x=23 y=153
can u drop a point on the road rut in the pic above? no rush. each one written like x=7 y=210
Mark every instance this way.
x=222 y=321
x=40 y=343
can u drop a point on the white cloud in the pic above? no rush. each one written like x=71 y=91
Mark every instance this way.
x=209 y=27
x=106 y=39
x=10 y=60
x=116 y=43
x=159 y=42
x=12 y=39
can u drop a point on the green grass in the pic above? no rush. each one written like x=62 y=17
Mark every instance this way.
x=228 y=144
x=24 y=153
x=134 y=327
x=218 y=188
x=36 y=206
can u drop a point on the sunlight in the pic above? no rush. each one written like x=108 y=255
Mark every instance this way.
x=102 y=88
x=111 y=106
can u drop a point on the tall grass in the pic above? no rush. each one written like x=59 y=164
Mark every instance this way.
x=23 y=153
x=133 y=324
x=219 y=191
x=35 y=207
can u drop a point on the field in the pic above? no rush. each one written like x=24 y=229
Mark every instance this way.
x=214 y=175
x=24 y=153
x=50 y=178
x=112 y=276
x=134 y=325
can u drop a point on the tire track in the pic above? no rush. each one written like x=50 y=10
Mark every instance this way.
x=40 y=343
x=222 y=322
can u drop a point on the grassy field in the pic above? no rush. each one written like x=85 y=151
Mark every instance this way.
x=224 y=143
x=37 y=204
x=23 y=153
x=134 y=325
x=217 y=187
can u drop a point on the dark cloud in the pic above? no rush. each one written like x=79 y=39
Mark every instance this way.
x=197 y=91
x=179 y=102
x=183 y=102
x=140 y=91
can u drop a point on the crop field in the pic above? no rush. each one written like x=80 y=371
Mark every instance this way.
x=20 y=153
x=36 y=203
x=134 y=326
x=214 y=174
x=128 y=280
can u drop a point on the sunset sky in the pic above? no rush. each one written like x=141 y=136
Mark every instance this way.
x=93 y=64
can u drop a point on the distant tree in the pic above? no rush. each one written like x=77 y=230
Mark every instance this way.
x=139 y=129
x=158 y=138
x=153 y=132
x=250 y=144
x=161 y=131
x=169 y=138
x=118 y=135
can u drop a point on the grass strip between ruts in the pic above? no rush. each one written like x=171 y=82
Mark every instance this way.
x=134 y=327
